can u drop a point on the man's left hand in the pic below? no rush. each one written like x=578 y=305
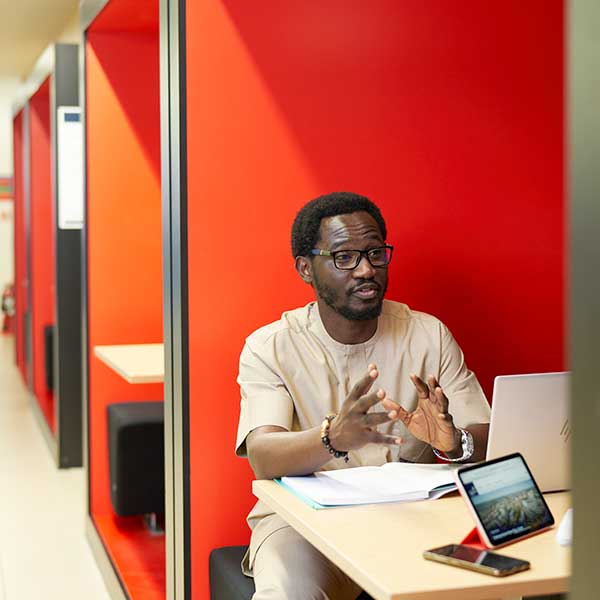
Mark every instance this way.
x=430 y=421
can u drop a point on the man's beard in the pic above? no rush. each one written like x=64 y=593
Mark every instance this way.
x=331 y=297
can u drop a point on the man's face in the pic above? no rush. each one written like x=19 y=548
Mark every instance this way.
x=358 y=294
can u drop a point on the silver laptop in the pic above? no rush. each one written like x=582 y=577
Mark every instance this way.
x=530 y=415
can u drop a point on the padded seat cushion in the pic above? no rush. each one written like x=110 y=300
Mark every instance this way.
x=136 y=457
x=227 y=582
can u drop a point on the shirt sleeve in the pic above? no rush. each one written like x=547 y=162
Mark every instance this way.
x=467 y=402
x=264 y=398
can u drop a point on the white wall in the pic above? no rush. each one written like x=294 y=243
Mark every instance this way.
x=6 y=243
x=8 y=87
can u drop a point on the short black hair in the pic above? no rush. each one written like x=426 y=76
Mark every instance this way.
x=305 y=229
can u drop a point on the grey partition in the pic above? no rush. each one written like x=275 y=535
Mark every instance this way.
x=60 y=64
x=67 y=339
x=583 y=68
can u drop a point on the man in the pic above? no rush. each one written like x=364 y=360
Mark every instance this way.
x=309 y=401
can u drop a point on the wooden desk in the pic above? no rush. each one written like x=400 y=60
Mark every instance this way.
x=380 y=547
x=137 y=363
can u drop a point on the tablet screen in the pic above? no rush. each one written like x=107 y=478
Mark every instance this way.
x=506 y=498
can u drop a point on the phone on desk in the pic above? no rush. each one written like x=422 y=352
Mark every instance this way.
x=474 y=559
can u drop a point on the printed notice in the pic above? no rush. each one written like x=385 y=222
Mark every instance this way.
x=70 y=167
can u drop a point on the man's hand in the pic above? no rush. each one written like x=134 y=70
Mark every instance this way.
x=355 y=426
x=430 y=421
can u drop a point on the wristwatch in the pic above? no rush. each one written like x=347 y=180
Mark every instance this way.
x=468 y=447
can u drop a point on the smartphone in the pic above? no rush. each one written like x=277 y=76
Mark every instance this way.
x=474 y=559
x=504 y=500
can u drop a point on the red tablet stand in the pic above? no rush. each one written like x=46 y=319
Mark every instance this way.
x=473 y=539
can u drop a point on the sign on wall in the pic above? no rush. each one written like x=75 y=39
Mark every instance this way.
x=70 y=167
x=6 y=188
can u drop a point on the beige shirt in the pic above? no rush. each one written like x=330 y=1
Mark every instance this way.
x=292 y=373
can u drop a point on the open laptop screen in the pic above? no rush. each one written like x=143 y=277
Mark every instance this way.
x=530 y=415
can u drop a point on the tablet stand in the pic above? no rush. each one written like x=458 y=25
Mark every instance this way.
x=473 y=539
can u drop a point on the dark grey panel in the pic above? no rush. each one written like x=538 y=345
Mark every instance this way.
x=67 y=343
x=174 y=202
x=583 y=68
x=84 y=321
x=66 y=75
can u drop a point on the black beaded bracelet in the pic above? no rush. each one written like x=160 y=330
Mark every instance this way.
x=325 y=439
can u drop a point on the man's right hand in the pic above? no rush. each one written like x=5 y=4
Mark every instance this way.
x=355 y=426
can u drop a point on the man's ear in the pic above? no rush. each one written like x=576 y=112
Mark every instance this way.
x=304 y=268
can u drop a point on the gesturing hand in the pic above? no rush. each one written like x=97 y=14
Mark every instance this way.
x=354 y=426
x=430 y=421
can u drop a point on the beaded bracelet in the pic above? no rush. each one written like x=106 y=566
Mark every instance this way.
x=325 y=439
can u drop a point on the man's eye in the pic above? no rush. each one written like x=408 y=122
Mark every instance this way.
x=376 y=252
x=344 y=257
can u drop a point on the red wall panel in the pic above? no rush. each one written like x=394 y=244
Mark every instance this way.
x=124 y=259
x=20 y=248
x=124 y=223
x=42 y=243
x=449 y=115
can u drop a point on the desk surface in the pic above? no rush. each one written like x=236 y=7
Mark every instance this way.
x=380 y=547
x=137 y=363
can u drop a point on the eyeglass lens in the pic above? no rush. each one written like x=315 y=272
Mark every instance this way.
x=349 y=259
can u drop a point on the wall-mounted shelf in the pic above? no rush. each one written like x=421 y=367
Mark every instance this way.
x=136 y=363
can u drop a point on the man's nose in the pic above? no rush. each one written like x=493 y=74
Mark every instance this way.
x=364 y=269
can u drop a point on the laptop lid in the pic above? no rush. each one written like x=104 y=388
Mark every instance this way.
x=530 y=415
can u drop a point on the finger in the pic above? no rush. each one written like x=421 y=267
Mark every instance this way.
x=393 y=408
x=389 y=404
x=442 y=399
x=401 y=414
x=364 y=403
x=380 y=438
x=422 y=388
x=376 y=418
x=432 y=383
x=364 y=384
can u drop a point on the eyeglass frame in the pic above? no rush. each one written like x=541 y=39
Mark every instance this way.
x=365 y=253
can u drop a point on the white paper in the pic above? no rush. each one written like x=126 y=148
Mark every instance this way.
x=70 y=167
x=366 y=485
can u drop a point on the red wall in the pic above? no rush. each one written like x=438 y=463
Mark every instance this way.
x=42 y=243
x=449 y=115
x=124 y=216
x=19 y=242
x=124 y=257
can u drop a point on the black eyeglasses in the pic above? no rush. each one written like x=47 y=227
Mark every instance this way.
x=347 y=260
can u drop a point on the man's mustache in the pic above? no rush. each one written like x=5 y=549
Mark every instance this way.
x=365 y=285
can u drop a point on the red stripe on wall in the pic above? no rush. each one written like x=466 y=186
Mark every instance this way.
x=19 y=241
x=42 y=243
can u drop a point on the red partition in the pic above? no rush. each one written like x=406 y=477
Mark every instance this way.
x=448 y=114
x=20 y=247
x=42 y=243
x=124 y=254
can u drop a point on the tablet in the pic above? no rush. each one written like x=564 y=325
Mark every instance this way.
x=504 y=499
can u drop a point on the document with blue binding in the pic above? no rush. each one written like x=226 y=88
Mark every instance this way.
x=392 y=482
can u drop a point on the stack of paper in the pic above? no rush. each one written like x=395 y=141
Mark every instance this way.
x=392 y=482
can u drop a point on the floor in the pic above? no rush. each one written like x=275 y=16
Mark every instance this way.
x=44 y=554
